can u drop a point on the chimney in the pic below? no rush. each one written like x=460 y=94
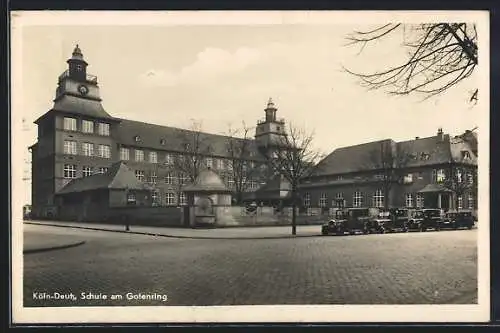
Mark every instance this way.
x=417 y=137
x=440 y=134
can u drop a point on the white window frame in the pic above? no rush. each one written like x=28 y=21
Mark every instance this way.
x=470 y=201
x=153 y=157
x=470 y=178
x=139 y=174
x=104 y=151
x=419 y=200
x=169 y=159
x=153 y=177
x=307 y=199
x=378 y=199
x=102 y=170
x=440 y=175
x=69 y=124
x=460 y=202
x=409 y=200
x=182 y=199
x=70 y=147
x=88 y=149
x=169 y=198
x=139 y=155
x=209 y=162
x=124 y=154
x=155 y=197
x=169 y=179
x=69 y=171
x=87 y=126
x=357 y=199
x=87 y=171
x=323 y=199
x=103 y=129
x=131 y=198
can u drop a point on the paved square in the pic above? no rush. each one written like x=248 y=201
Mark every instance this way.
x=412 y=268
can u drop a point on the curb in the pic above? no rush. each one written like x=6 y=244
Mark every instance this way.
x=172 y=236
x=52 y=248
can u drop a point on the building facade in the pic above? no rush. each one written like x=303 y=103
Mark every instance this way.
x=433 y=172
x=78 y=138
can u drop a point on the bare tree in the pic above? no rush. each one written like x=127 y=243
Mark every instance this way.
x=389 y=160
x=459 y=180
x=240 y=148
x=189 y=163
x=293 y=157
x=440 y=55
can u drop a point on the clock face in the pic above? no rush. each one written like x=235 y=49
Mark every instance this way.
x=83 y=90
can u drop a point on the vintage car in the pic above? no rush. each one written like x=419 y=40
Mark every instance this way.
x=358 y=220
x=399 y=220
x=460 y=219
x=380 y=222
x=424 y=219
x=335 y=225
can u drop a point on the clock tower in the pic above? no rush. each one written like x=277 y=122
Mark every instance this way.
x=78 y=91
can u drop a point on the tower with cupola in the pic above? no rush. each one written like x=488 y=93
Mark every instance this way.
x=270 y=132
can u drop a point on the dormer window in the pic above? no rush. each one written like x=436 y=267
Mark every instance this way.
x=163 y=142
x=424 y=156
x=137 y=138
x=466 y=155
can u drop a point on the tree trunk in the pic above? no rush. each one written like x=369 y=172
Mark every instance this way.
x=294 y=210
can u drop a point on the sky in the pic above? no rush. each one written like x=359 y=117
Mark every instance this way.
x=223 y=75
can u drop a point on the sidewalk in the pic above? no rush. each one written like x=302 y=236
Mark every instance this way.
x=33 y=243
x=221 y=233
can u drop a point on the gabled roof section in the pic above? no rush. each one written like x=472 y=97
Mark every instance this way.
x=352 y=159
x=119 y=176
x=167 y=138
x=426 y=151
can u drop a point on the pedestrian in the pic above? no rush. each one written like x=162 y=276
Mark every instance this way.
x=127 y=225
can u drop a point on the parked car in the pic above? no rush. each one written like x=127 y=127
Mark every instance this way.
x=399 y=220
x=358 y=220
x=335 y=225
x=380 y=222
x=424 y=219
x=459 y=219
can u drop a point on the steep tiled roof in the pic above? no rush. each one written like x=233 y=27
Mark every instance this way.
x=171 y=138
x=432 y=150
x=119 y=176
x=81 y=106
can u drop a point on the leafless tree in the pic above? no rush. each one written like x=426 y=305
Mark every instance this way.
x=460 y=180
x=389 y=160
x=440 y=55
x=241 y=149
x=293 y=157
x=189 y=163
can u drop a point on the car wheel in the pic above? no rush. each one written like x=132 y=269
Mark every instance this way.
x=469 y=227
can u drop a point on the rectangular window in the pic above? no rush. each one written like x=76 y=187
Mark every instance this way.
x=139 y=174
x=153 y=177
x=124 y=154
x=169 y=179
x=307 y=199
x=69 y=124
x=69 y=171
x=70 y=147
x=323 y=200
x=87 y=171
x=409 y=200
x=440 y=176
x=460 y=202
x=408 y=179
x=88 y=149
x=378 y=199
x=420 y=200
x=182 y=199
x=230 y=182
x=102 y=170
x=470 y=178
x=87 y=126
x=131 y=200
x=169 y=198
x=470 y=201
x=169 y=159
x=219 y=164
x=153 y=157
x=209 y=162
x=339 y=200
x=104 y=151
x=139 y=155
x=103 y=129
x=183 y=179
x=155 y=198
x=357 y=199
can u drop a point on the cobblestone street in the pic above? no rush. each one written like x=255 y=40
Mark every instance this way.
x=411 y=268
